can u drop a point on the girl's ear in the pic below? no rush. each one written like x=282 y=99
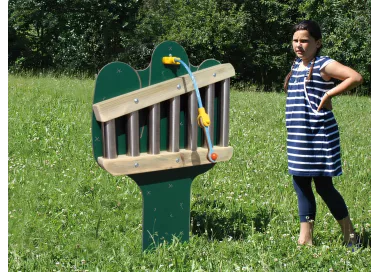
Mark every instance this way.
x=319 y=43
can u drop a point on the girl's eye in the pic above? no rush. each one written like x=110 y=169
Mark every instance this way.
x=301 y=41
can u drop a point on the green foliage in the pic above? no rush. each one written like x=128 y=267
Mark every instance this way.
x=65 y=213
x=249 y=35
x=197 y=25
x=266 y=56
x=69 y=35
x=72 y=36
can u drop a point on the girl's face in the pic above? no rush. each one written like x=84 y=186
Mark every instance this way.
x=304 y=45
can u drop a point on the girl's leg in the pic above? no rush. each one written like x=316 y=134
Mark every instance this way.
x=336 y=205
x=306 y=208
x=348 y=230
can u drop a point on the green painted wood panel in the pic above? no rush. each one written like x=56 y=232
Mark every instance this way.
x=166 y=194
x=166 y=203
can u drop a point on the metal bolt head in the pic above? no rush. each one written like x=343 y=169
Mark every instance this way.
x=177 y=160
x=136 y=101
x=214 y=74
x=178 y=86
x=136 y=164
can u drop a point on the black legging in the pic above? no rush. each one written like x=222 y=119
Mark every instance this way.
x=325 y=188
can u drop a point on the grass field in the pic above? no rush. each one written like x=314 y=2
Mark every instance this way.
x=67 y=214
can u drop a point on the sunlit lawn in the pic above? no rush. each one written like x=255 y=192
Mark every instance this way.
x=67 y=214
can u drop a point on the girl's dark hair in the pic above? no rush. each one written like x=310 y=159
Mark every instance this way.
x=315 y=31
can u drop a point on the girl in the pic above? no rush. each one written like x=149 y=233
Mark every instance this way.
x=313 y=138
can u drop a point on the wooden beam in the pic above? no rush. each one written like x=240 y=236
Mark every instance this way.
x=123 y=104
x=127 y=165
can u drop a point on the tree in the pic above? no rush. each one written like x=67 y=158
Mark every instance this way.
x=204 y=30
x=74 y=35
x=79 y=36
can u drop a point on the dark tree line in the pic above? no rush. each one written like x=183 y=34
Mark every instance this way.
x=81 y=36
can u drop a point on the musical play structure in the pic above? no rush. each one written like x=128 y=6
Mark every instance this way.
x=151 y=125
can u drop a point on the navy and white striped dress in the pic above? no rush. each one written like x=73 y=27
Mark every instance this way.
x=313 y=144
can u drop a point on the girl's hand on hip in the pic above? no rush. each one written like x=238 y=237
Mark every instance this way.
x=325 y=103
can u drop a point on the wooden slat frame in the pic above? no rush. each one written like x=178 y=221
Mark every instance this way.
x=142 y=98
x=126 y=165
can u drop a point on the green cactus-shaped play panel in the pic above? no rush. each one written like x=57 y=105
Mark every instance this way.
x=144 y=125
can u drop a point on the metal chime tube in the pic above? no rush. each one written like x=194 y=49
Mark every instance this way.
x=109 y=139
x=133 y=133
x=154 y=129
x=174 y=124
x=225 y=106
x=192 y=125
x=209 y=106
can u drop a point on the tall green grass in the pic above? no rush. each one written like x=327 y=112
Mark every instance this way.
x=67 y=214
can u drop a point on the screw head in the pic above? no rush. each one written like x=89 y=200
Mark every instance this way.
x=136 y=164
x=214 y=74
x=178 y=86
x=177 y=160
x=136 y=101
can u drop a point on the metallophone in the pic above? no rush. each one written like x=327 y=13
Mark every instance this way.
x=145 y=125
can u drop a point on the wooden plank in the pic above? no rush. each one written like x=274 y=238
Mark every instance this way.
x=139 y=99
x=126 y=165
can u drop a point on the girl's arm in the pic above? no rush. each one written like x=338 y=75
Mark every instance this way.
x=350 y=79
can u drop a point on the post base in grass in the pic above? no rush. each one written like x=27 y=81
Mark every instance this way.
x=166 y=204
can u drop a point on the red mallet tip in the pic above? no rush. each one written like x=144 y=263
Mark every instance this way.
x=214 y=156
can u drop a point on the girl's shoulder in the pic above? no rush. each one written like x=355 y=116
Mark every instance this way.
x=321 y=58
x=322 y=61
